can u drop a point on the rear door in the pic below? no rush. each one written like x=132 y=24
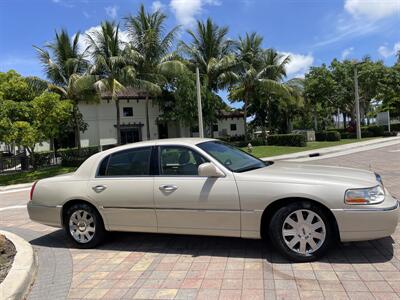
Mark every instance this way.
x=123 y=187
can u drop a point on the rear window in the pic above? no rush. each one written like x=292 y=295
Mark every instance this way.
x=132 y=162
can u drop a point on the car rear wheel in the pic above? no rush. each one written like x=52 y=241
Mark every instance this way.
x=301 y=231
x=84 y=226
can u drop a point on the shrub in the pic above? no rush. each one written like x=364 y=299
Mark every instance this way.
x=376 y=130
x=389 y=133
x=43 y=159
x=327 y=136
x=74 y=157
x=332 y=136
x=348 y=135
x=294 y=140
x=320 y=136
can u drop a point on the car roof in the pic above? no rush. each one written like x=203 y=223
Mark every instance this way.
x=173 y=141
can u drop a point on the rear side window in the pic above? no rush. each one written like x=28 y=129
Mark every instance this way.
x=132 y=162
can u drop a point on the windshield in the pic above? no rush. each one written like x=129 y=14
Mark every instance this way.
x=232 y=158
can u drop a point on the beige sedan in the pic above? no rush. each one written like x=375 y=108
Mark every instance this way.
x=207 y=187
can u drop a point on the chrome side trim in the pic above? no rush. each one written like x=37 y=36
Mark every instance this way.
x=396 y=206
x=177 y=208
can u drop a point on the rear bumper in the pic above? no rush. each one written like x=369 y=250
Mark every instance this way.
x=361 y=224
x=48 y=215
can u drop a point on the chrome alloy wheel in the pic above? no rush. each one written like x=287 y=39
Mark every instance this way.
x=304 y=231
x=82 y=226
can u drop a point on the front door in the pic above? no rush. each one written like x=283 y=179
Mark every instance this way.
x=163 y=131
x=189 y=204
x=123 y=188
x=130 y=135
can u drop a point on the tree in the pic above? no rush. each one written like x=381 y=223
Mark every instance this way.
x=211 y=52
x=65 y=65
x=319 y=92
x=112 y=66
x=389 y=91
x=150 y=47
x=259 y=71
x=28 y=123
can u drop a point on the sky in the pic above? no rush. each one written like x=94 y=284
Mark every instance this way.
x=312 y=32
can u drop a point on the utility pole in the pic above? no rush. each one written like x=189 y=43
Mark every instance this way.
x=199 y=108
x=357 y=98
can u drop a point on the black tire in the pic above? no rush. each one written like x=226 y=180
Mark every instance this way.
x=99 y=232
x=278 y=240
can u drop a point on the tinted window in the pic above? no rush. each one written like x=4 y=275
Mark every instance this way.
x=175 y=160
x=103 y=166
x=133 y=162
x=234 y=159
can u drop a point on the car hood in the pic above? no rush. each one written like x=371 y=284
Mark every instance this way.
x=309 y=173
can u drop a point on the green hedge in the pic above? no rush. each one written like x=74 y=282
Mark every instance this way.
x=43 y=159
x=293 y=140
x=74 y=157
x=327 y=136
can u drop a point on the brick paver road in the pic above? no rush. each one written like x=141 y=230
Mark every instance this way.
x=151 y=266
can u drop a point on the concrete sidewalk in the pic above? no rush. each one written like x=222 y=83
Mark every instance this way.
x=337 y=150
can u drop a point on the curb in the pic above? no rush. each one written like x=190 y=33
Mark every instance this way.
x=324 y=152
x=15 y=187
x=23 y=270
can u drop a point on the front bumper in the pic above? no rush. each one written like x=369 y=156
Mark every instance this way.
x=48 y=215
x=367 y=223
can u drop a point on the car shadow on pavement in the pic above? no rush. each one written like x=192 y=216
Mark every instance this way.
x=376 y=251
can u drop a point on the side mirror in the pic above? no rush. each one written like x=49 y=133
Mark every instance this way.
x=209 y=170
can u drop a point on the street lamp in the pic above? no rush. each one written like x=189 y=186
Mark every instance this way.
x=199 y=108
x=357 y=98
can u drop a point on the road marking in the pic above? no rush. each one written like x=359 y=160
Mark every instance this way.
x=395 y=150
x=12 y=207
x=15 y=191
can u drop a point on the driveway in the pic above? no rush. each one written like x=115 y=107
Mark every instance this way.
x=152 y=266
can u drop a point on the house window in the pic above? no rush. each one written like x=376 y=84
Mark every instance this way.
x=233 y=127
x=127 y=112
x=215 y=127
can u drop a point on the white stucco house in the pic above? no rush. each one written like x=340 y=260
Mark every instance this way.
x=101 y=120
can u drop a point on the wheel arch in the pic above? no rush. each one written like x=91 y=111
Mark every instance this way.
x=71 y=202
x=270 y=210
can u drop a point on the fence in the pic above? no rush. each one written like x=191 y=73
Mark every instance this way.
x=22 y=162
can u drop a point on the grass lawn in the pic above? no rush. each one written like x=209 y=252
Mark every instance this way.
x=30 y=176
x=267 y=151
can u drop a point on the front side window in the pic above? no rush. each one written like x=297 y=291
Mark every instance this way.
x=132 y=162
x=179 y=161
x=232 y=158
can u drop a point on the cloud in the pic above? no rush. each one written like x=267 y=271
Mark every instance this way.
x=372 y=9
x=299 y=64
x=112 y=11
x=186 y=11
x=157 y=5
x=387 y=52
x=346 y=52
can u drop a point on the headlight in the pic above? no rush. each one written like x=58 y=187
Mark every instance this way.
x=373 y=195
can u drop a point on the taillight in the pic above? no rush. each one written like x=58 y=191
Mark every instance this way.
x=32 y=190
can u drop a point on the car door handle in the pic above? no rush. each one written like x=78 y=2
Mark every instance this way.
x=168 y=187
x=99 y=188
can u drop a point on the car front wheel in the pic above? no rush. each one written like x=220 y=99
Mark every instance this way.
x=84 y=226
x=301 y=231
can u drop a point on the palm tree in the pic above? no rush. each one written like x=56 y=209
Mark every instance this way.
x=211 y=52
x=113 y=67
x=259 y=71
x=150 y=46
x=64 y=65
